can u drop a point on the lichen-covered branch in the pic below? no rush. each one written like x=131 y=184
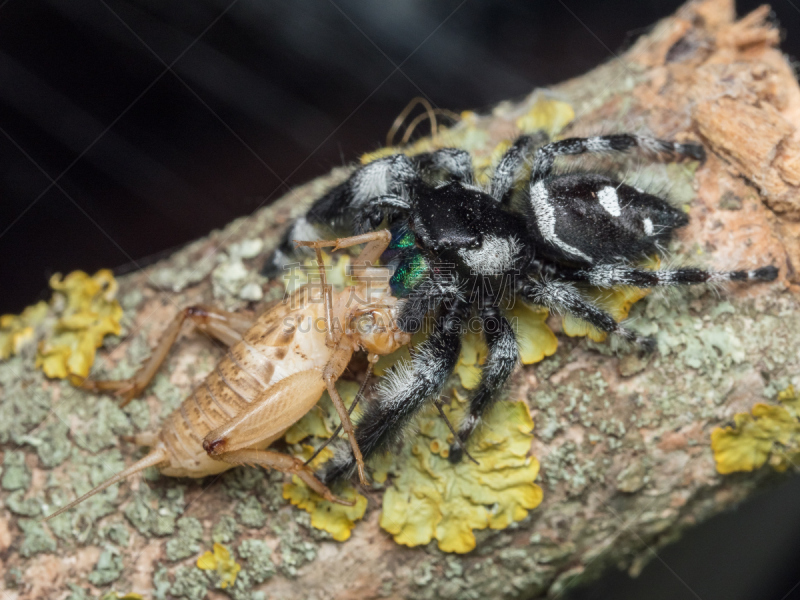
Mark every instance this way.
x=624 y=443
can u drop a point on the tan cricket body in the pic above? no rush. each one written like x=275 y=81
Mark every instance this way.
x=274 y=372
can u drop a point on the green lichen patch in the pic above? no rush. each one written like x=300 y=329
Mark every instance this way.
x=186 y=541
x=294 y=550
x=250 y=514
x=96 y=422
x=190 y=583
x=225 y=530
x=78 y=593
x=23 y=403
x=257 y=557
x=156 y=513
x=36 y=539
x=51 y=442
x=26 y=507
x=108 y=567
x=116 y=533
x=16 y=475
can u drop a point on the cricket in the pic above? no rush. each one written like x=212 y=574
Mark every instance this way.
x=274 y=372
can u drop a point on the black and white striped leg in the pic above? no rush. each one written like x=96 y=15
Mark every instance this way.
x=602 y=144
x=425 y=298
x=606 y=276
x=402 y=392
x=506 y=170
x=453 y=161
x=564 y=297
x=502 y=358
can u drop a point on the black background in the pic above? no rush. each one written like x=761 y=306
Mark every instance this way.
x=263 y=95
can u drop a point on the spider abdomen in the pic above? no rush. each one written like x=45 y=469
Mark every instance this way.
x=589 y=219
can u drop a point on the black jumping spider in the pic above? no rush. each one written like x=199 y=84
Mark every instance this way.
x=456 y=247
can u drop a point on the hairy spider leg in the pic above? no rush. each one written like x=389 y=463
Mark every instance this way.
x=455 y=162
x=610 y=275
x=603 y=144
x=227 y=327
x=500 y=362
x=505 y=174
x=404 y=390
x=564 y=297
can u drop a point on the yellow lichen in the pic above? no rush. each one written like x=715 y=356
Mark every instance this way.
x=545 y=114
x=17 y=331
x=769 y=432
x=221 y=561
x=473 y=355
x=82 y=311
x=336 y=519
x=115 y=596
x=433 y=499
x=88 y=311
x=536 y=339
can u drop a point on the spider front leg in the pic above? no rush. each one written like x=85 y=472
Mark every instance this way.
x=403 y=391
x=503 y=357
x=564 y=297
x=454 y=162
x=603 y=144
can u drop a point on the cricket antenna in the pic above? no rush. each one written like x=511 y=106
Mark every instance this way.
x=155 y=457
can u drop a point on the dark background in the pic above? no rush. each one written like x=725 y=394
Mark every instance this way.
x=159 y=121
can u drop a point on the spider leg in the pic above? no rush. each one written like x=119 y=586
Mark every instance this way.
x=426 y=297
x=453 y=161
x=510 y=163
x=335 y=211
x=564 y=297
x=503 y=357
x=370 y=216
x=610 y=275
x=603 y=144
x=403 y=391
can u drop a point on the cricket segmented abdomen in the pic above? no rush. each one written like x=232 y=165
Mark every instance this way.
x=267 y=353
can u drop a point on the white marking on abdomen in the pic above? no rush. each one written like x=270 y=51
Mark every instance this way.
x=609 y=201
x=648 y=226
x=546 y=220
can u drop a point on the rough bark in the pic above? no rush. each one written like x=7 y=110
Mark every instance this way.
x=624 y=444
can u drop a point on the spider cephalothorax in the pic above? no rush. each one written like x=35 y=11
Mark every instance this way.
x=461 y=252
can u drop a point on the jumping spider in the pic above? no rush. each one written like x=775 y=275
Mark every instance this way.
x=455 y=247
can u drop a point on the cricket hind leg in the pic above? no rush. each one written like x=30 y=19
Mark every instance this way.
x=227 y=327
x=285 y=464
